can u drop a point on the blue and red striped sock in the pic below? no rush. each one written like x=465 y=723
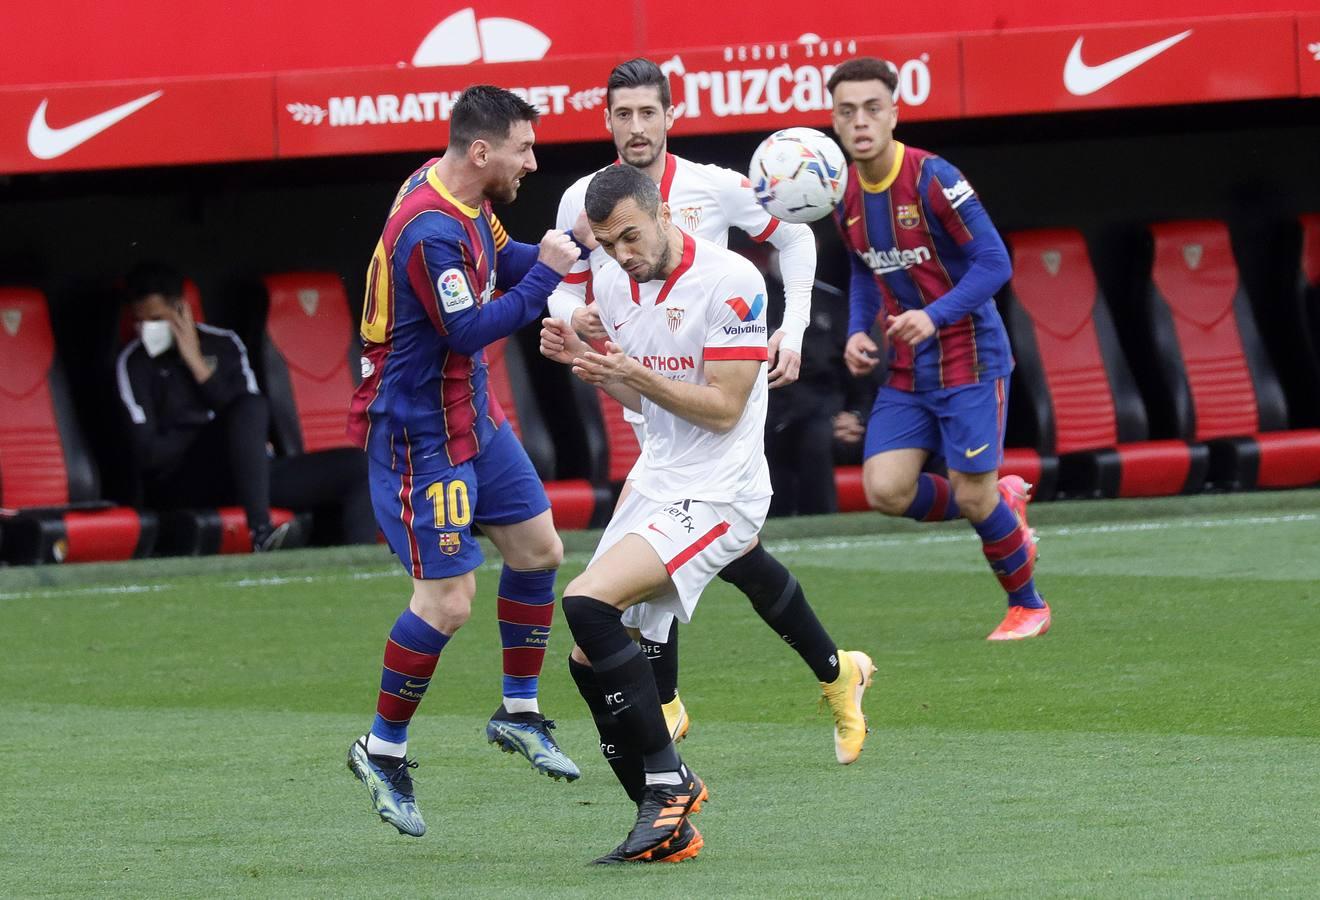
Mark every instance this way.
x=411 y=654
x=934 y=500
x=526 y=608
x=1005 y=543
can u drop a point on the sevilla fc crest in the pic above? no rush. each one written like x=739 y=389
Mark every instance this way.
x=674 y=317
x=908 y=215
x=690 y=216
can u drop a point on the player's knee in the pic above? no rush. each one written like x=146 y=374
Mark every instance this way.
x=546 y=551
x=760 y=576
x=445 y=608
x=888 y=495
x=976 y=499
x=593 y=622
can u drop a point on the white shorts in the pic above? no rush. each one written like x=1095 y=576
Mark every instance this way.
x=694 y=539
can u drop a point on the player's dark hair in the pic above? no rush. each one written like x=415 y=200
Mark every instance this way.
x=486 y=112
x=147 y=278
x=614 y=184
x=639 y=72
x=865 y=68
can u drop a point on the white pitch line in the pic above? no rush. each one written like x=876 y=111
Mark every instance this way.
x=780 y=546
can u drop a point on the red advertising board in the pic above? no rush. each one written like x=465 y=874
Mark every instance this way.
x=743 y=88
x=1308 y=48
x=1188 y=61
x=139 y=123
x=65 y=41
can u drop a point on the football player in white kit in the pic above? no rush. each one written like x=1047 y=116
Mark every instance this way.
x=705 y=201
x=685 y=322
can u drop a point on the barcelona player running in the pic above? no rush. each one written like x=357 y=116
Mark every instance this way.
x=441 y=454
x=921 y=241
x=706 y=201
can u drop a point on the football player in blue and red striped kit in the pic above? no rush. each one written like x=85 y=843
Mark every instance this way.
x=440 y=453
x=922 y=246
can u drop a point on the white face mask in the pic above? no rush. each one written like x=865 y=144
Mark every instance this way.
x=157 y=337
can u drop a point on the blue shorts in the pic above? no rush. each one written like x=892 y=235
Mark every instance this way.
x=964 y=424
x=427 y=519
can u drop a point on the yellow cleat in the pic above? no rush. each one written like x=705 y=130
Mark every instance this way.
x=844 y=695
x=676 y=718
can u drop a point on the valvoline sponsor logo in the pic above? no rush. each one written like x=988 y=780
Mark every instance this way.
x=745 y=312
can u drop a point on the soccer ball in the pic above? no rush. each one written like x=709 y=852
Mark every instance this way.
x=798 y=174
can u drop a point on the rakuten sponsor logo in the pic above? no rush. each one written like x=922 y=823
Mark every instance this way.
x=882 y=262
x=785 y=88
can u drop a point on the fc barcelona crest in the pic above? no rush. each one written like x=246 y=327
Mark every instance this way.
x=908 y=215
x=674 y=317
x=690 y=216
x=450 y=543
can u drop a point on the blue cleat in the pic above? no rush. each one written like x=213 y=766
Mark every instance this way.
x=528 y=733
x=391 y=787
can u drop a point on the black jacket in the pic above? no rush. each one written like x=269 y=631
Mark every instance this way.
x=166 y=406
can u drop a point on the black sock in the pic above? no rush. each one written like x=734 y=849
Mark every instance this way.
x=664 y=663
x=614 y=745
x=624 y=677
x=778 y=599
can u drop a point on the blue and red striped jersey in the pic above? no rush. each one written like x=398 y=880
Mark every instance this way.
x=423 y=404
x=920 y=239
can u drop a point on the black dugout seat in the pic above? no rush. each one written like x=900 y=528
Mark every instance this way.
x=1073 y=384
x=1212 y=365
x=49 y=486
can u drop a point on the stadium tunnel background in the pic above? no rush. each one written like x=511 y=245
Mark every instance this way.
x=1108 y=173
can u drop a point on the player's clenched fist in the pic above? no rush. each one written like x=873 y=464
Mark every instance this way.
x=860 y=354
x=559 y=343
x=558 y=251
x=586 y=322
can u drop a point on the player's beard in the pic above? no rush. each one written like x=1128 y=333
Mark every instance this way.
x=661 y=265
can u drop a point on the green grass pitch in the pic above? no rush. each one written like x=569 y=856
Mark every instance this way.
x=178 y=728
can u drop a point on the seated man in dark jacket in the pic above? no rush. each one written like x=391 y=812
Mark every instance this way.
x=199 y=424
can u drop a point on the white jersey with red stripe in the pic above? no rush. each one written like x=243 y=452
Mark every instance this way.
x=704 y=200
x=711 y=307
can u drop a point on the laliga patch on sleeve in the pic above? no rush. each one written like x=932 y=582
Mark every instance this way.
x=454 y=293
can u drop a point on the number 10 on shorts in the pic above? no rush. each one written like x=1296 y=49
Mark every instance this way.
x=452 y=509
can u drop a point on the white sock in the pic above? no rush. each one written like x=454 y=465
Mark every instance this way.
x=521 y=705
x=664 y=778
x=381 y=747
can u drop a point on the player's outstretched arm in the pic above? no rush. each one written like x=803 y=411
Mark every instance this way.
x=715 y=406
x=470 y=326
x=797 y=266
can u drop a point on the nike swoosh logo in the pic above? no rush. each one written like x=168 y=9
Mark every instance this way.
x=1081 y=79
x=48 y=143
x=969 y=452
x=415 y=685
x=852 y=221
x=657 y=531
x=618 y=325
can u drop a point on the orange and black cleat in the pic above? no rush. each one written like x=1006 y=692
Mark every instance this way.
x=660 y=817
x=685 y=844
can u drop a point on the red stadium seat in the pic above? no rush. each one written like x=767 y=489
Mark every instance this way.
x=577 y=503
x=309 y=355
x=49 y=488
x=1213 y=367
x=1074 y=383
